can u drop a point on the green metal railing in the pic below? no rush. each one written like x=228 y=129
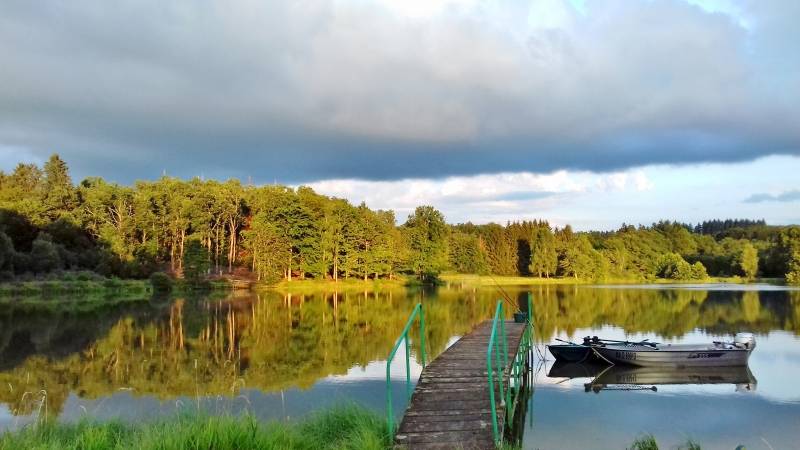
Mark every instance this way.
x=497 y=365
x=417 y=312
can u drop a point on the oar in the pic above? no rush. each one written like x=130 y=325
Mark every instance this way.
x=642 y=342
x=566 y=342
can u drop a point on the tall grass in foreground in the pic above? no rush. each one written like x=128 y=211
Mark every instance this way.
x=346 y=427
x=341 y=428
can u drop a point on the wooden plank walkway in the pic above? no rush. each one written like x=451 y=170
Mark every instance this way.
x=450 y=408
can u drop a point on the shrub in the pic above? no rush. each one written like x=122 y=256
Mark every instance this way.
x=86 y=275
x=161 y=282
x=699 y=271
x=6 y=252
x=645 y=443
x=195 y=262
x=112 y=283
x=674 y=267
x=44 y=255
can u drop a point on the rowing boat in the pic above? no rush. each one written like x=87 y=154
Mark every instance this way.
x=569 y=351
x=717 y=353
x=574 y=353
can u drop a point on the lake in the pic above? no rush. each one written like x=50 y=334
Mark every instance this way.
x=281 y=355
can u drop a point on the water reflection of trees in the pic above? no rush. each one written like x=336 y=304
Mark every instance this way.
x=269 y=342
x=665 y=312
x=278 y=340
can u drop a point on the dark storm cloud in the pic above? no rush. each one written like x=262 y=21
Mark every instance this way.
x=788 y=196
x=298 y=91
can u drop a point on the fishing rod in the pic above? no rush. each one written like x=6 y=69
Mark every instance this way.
x=596 y=388
x=596 y=340
x=505 y=295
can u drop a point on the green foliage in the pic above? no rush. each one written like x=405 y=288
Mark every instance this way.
x=544 y=255
x=270 y=248
x=466 y=254
x=161 y=282
x=427 y=235
x=500 y=253
x=59 y=194
x=648 y=442
x=698 y=271
x=674 y=267
x=747 y=260
x=44 y=255
x=645 y=443
x=341 y=428
x=280 y=232
x=789 y=251
x=6 y=253
x=195 y=261
x=720 y=227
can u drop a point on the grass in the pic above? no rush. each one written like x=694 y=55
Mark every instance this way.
x=85 y=290
x=74 y=295
x=50 y=288
x=342 y=428
x=648 y=442
x=353 y=284
x=488 y=280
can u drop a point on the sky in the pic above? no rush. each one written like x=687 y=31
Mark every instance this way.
x=588 y=112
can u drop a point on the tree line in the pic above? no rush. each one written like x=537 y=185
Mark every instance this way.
x=197 y=227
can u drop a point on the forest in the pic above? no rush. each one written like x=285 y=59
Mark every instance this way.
x=200 y=228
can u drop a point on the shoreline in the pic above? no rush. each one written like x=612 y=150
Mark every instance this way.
x=17 y=290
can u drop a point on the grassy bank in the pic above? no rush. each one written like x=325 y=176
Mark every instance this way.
x=344 y=427
x=488 y=280
x=59 y=287
x=351 y=284
x=89 y=287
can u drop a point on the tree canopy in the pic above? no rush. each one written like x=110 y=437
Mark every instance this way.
x=277 y=232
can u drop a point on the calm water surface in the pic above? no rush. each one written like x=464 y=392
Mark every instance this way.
x=280 y=356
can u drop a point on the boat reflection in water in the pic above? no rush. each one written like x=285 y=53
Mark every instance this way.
x=622 y=377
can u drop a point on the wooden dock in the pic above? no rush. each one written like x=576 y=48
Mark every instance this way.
x=450 y=407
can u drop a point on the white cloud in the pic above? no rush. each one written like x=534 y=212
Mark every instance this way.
x=483 y=198
x=621 y=181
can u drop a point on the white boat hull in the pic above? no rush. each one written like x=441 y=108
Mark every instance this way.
x=675 y=355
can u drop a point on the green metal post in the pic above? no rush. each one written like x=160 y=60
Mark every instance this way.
x=403 y=339
x=389 y=411
x=490 y=372
x=408 y=368
x=505 y=340
x=531 y=315
x=500 y=369
x=422 y=333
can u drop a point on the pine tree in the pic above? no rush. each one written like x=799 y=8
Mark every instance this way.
x=59 y=193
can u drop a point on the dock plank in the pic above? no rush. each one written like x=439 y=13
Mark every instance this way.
x=450 y=406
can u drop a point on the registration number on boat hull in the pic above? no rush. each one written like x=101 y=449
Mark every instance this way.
x=703 y=355
x=628 y=356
